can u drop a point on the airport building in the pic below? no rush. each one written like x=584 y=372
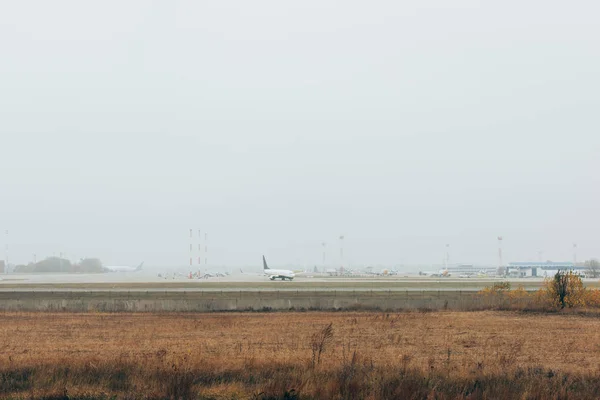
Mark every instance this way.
x=470 y=270
x=542 y=269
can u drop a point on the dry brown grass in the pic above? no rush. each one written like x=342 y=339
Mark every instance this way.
x=257 y=355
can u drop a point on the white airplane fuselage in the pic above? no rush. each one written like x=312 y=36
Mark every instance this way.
x=120 y=268
x=282 y=274
x=273 y=274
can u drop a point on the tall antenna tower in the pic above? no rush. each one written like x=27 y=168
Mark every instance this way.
x=191 y=247
x=342 y=252
x=500 y=261
x=324 y=245
x=199 y=249
x=6 y=250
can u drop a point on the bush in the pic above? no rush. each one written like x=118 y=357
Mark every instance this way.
x=565 y=289
x=496 y=288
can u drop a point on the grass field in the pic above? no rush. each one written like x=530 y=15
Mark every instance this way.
x=266 y=355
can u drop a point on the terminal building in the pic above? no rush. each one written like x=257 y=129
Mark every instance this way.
x=468 y=270
x=542 y=269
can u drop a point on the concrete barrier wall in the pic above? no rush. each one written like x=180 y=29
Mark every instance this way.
x=242 y=301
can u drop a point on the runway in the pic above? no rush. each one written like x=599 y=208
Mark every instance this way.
x=146 y=292
x=146 y=281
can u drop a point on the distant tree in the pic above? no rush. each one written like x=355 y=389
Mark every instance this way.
x=593 y=268
x=53 y=264
x=566 y=290
x=90 y=265
x=56 y=264
x=23 y=268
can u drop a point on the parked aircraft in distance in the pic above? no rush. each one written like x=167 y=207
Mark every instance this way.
x=442 y=273
x=210 y=275
x=117 y=268
x=273 y=274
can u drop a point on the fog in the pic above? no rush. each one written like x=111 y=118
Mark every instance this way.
x=276 y=126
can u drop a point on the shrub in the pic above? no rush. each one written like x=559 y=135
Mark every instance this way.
x=496 y=288
x=565 y=289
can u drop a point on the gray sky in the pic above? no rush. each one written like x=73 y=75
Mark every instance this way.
x=274 y=126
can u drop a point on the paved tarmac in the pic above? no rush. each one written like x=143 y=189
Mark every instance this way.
x=147 y=281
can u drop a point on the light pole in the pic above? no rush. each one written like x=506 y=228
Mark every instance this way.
x=342 y=252
x=500 y=262
x=191 y=248
x=199 y=249
x=6 y=250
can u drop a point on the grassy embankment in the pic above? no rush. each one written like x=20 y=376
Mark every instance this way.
x=258 y=355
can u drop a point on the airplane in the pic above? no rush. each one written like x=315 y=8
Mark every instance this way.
x=273 y=274
x=442 y=273
x=122 y=268
x=215 y=275
x=382 y=272
x=387 y=272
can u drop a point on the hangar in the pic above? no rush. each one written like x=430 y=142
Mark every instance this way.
x=543 y=269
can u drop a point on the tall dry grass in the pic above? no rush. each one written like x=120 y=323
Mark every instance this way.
x=443 y=355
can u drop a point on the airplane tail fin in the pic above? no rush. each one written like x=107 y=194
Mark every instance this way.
x=265 y=266
x=139 y=267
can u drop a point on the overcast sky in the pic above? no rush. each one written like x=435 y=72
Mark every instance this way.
x=277 y=125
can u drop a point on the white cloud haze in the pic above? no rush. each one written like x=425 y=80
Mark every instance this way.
x=275 y=126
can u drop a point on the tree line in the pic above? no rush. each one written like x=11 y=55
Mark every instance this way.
x=58 y=264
